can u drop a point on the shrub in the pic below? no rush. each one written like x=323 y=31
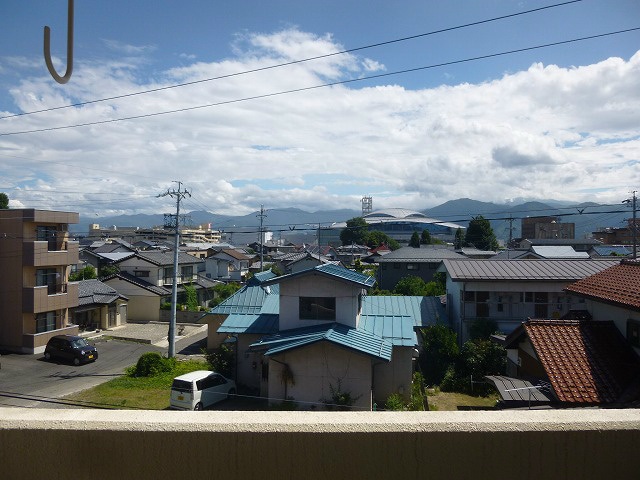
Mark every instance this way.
x=221 y=360
x=151 y=364
x=395 y=402
x=340 y=399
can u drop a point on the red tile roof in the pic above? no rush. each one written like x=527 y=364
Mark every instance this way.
x=619 y=285
x=586 y=361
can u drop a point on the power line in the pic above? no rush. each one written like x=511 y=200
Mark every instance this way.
x=294 y=62
x=323 y=85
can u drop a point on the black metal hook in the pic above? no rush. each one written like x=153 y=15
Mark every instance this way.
x=47 y=48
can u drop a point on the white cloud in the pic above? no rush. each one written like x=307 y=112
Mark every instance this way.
x=546 y=132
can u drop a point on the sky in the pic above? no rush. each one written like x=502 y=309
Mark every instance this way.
x=427 y=104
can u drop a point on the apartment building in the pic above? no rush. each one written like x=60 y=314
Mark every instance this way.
x=36 y=256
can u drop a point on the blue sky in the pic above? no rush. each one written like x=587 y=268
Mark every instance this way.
x=561 y=122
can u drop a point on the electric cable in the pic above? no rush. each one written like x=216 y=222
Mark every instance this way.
x=294 y=62
x=322 y=85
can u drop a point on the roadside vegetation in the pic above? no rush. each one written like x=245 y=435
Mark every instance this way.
x=145 y=385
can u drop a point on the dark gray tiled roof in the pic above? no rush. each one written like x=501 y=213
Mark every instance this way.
x=95 y=292
x=162 y=258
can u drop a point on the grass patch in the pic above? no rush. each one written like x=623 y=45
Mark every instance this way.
x=448 y=401
x=148 y=393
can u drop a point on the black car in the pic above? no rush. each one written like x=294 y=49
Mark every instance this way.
x=71 y=348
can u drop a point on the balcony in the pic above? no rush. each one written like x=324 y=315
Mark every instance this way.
x=38 y=253
x=535 y=444
x=49 y=297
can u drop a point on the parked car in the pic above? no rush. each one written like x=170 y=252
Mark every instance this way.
x=200 y=389
x=70 y=348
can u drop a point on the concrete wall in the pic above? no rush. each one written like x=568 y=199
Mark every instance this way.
x=584 y=444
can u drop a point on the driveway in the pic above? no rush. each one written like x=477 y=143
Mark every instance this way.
x=30 y=381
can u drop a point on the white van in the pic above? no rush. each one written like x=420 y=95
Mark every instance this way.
x=197 y=390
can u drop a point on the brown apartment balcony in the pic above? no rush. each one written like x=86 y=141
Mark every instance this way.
x=49 y=297
x=40 y=253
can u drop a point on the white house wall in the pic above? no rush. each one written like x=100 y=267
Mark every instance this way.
x=314 y=369
x=143 y=305
x=134 y=264
x=346 y=296
x=393 y=377
x=619 y=315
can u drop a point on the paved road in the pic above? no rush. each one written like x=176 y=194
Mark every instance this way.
x=30 y=381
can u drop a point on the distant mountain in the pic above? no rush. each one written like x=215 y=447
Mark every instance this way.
x=294 y=222
x=588 y=217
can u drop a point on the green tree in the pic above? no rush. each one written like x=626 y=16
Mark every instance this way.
x=108 y=270
x=458 y=242
x=415 y=240
x=410 y=286
x=87 y=273
x=191 y=297
x=480 y=234
x=357 y=231
x=222 y=292
x=425 y=237
x=375 y=238
x=439 y=352
x=4 y=201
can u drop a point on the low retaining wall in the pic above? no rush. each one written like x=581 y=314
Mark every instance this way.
x=584 y=444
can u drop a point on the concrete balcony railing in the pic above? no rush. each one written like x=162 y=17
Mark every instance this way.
x=48 y=298
x=116 y=444
x=37 y=254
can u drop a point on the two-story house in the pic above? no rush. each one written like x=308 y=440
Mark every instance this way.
x=146 y=279
x=420 y=262
x=35 y=294
x=510 y=291
x=305 y=335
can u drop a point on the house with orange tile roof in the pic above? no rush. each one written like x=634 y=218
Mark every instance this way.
x=614 y=294
x=574 y=362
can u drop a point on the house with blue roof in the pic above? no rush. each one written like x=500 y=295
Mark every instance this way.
x=304 y=335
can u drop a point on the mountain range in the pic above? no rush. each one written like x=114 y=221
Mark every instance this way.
x=293 y=222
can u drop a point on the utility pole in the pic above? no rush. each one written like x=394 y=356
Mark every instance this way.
x=634 y=226
x=178 y=195
x=261 y=216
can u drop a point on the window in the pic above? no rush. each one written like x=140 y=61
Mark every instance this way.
x=45 y=322
x=469 y=296
x=45 y=232
x=317 y=308
x=187 y=272
x=413 y=266
x=633 y=332
x=47 y=277
x=141 y=273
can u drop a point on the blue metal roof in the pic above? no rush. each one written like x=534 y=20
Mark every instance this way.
x=396 y=329
x=612 y=250
x=424 y=311
x=336 y=333
x=250 y=299
x=260 y=277
x=264 y=323
x=331 y=270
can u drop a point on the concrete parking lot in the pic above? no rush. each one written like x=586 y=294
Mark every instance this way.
x=30 y=381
